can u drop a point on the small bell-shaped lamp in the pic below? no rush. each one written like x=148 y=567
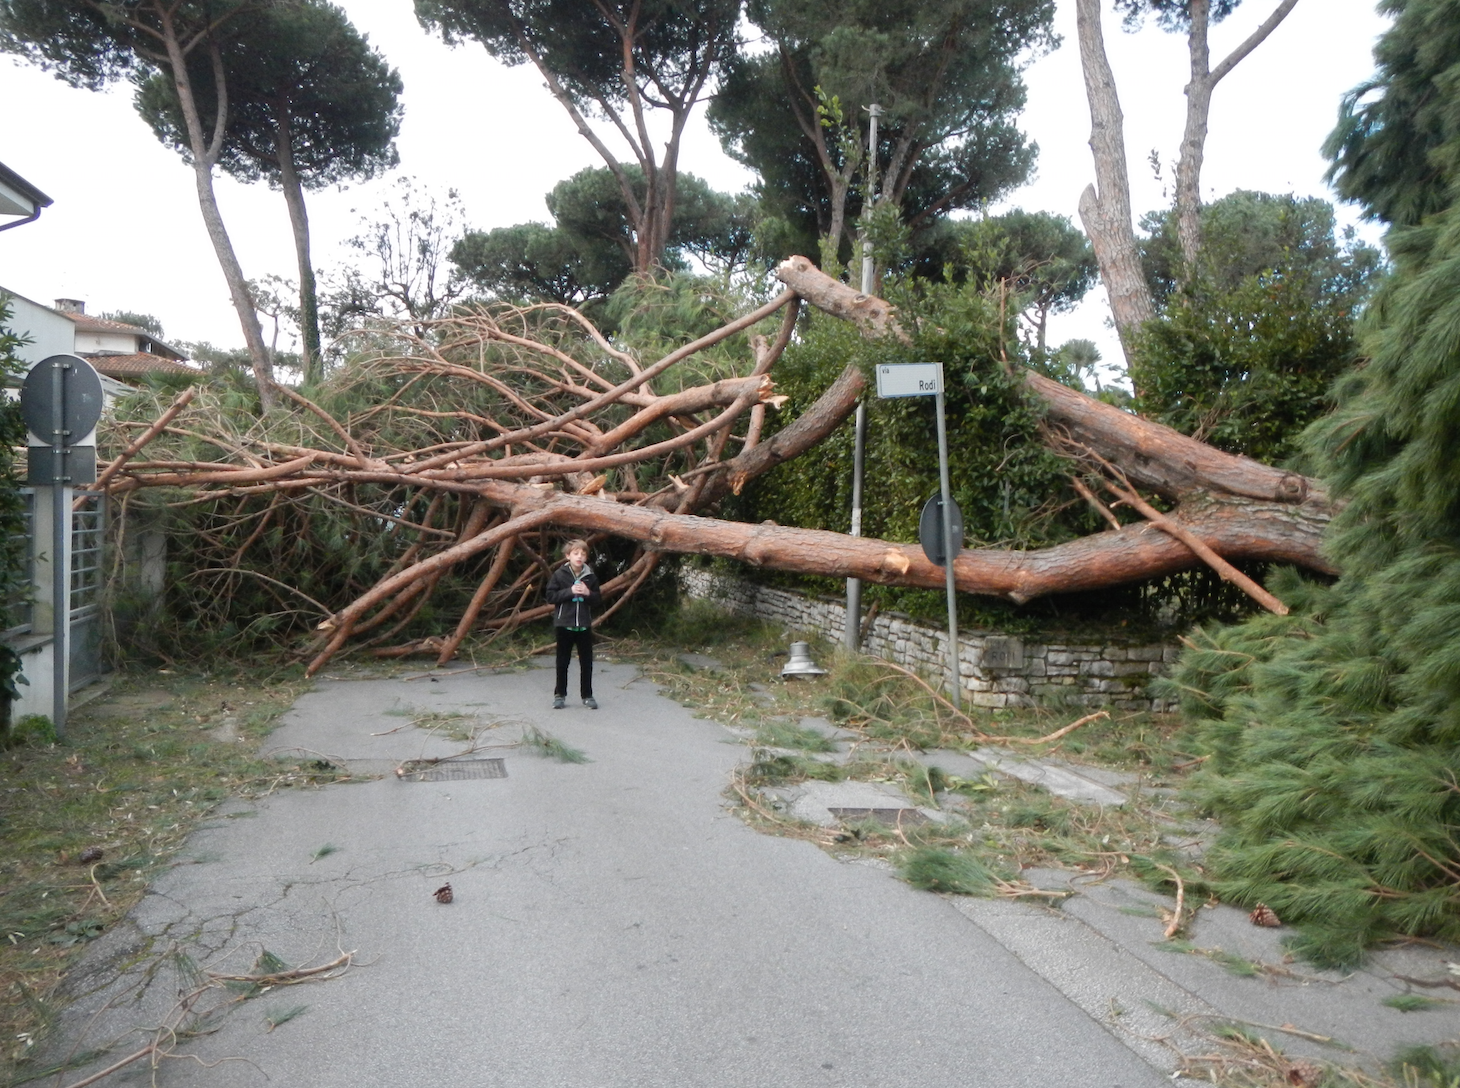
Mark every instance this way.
x=801 y=663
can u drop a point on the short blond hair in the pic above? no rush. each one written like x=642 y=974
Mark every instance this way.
x=575 y=543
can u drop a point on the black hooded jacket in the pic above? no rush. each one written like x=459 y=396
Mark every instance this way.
x=573 y=611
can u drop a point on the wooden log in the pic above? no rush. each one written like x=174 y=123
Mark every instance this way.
x=1237 y=529
x=1152 y=456
x=1156 y=457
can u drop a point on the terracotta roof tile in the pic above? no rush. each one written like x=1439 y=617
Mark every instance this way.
x=87 y=323
x=137 y=365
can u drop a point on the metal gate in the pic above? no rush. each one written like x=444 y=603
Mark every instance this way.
x=88 y=535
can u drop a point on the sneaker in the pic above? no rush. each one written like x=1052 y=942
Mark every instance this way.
x=591 y=703
x=559 y=702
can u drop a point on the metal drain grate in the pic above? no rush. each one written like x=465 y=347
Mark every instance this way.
x=892 y=817
x=458 y=770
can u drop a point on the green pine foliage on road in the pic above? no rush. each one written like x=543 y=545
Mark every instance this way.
x=1335 y=732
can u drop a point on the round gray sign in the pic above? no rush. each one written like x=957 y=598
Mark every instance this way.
x=81 y=399
x=930 y=529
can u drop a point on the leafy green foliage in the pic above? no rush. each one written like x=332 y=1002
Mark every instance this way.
x=310 y=104
x=589 y=251
x=550 y=747
x=947 y=76
x=616 y=61
x=532 y=262
x=1043 y=263
x=1243 y=354
x=1003 y=477
x=297 y=72
x=1335 y=731
x=1394 y=152
x=141 y=321
x=1428 y=1067
x=1170 y=14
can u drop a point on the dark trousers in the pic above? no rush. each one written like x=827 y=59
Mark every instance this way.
x=566 y=641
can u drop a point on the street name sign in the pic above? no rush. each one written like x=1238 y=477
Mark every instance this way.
x=909 y=379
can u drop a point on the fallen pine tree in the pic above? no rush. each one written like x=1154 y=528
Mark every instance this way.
x=472 y=448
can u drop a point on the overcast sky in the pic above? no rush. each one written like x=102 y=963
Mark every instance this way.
x=125 y=233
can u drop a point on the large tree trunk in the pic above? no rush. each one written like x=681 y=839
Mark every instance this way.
x=205 y=155
x=1149 y=455
x=1106 y=211
x=1193 y=139
x=1198 y=108
x=1236 y=529
x=299 y=223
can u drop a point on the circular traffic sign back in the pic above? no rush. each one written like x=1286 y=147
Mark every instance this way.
x=930 y=529
x=81 y=399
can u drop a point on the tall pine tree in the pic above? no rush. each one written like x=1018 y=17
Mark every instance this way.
x=1335 y=732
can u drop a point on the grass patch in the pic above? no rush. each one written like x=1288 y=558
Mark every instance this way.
x=550 y=747
x=324 y=851
x=783 y=734
x=138 y=770
x=1414 y=1002
x=937 y=869
x=1428 y=1066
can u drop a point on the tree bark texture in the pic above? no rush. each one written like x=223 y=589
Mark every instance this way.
x=299 y=224
x=1199 y=89
x=1105 y=208
x=1239 y=530
x=205 y=154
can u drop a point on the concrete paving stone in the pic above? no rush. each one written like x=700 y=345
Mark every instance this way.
x=1106 y=776
x=812 y=801
x=700 y=662
x=960 y=764
x=1345 y=1007
x=1058 y=780
x=1113 y=986
x=829 y=730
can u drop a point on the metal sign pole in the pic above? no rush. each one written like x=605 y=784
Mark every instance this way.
x=852 y=636
x=61 y=397
x=949 y=550
x=853 y=633
x=921 y=380
x=60 y=511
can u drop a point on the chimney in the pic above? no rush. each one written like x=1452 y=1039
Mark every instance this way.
x=71 y=305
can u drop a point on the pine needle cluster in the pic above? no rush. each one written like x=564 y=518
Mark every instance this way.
x=1335 y=731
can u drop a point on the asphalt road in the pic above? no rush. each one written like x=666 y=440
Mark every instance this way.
x=613 y=924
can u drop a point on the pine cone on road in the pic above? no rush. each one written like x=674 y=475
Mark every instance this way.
x=1263 y=915
x=444 y=894
x=1304 y=1074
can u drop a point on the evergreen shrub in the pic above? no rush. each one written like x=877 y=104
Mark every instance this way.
x=1335 y=732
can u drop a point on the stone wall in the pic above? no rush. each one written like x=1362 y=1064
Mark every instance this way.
x=996 y=670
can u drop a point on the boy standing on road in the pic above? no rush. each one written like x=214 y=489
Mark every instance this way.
x=573 y=588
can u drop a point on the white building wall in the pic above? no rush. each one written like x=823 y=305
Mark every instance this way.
x=49 y=332
x=123 y=342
